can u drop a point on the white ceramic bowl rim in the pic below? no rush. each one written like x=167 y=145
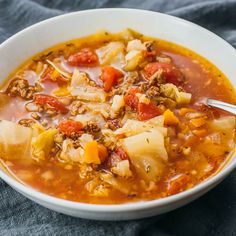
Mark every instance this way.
x=136 y=206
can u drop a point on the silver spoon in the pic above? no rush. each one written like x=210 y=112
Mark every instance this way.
x=222 y=105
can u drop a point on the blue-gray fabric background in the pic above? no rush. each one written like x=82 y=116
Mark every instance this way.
x=213 y=214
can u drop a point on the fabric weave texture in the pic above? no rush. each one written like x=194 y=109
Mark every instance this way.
x=212 y=214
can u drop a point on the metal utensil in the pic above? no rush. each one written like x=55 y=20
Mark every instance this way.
x=222 y=105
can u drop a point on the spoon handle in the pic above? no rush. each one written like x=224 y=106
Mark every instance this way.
x=222 y=105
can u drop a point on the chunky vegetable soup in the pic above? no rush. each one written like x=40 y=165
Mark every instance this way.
x=115 y=118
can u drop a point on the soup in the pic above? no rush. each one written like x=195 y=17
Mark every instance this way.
x=115 y=118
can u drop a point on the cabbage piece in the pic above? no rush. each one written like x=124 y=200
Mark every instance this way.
x=171 y=91
x=149 y=142
x=135 y=44
x=95 y=188
x=85 y=138
x=122 y=169
x=14 y=141
x=112 y=53
x=117 y=183
x=183 y=97
x=79 y=79
x=109 y=138
x=91 y=116
x=71 y=154
x=42 y=144
x=89 y=93
x=100 y=191
x=133 y=58
x=37 y=129
x=99 y=108
x=128 y=34
x=117 y=103
x=133 y=127
x=156 y=121
x=134 y=55
x=80 y=87
x=147 y=153
x=226 y=126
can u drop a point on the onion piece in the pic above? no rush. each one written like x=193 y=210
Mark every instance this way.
x=65 y=74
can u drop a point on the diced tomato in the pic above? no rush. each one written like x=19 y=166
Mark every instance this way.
x=177 y=184
x=69 y=127
x=131 y=99
x=148 y=111
x=170 y=72
x=43 y=99
x=110 y=76
x=85 y=57
x=145 y=111
x=122 y=154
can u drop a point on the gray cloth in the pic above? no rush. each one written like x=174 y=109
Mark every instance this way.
x=213 y=214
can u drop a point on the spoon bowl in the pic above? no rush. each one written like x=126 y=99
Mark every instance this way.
x=221 y=105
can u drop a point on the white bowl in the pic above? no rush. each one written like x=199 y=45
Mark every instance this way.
x=40 y=36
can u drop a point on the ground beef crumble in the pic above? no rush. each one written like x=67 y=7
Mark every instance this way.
x=21 y=88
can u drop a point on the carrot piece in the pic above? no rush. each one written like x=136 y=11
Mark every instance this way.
x=102 y=152
x=198 y=122
x=183 y=111
x=91 y=154
x=170 y=118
